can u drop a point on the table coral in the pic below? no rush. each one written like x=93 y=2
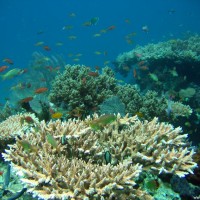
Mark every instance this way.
x=75 y=167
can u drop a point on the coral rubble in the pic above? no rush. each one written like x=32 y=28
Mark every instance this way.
x=68 y=160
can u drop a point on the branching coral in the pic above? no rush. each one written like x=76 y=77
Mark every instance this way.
x=65 y=160
x=79 y=87
x=15 y=125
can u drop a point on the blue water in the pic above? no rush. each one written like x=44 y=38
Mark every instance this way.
x=26 y=22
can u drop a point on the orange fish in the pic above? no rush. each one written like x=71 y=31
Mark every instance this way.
x=110 y=28
x=8 y=60
x=29 y=119
x=2 y=68
x=41 y=90
x=94 y=74
x=47 y=48
x=1 y=173
x=26 y=100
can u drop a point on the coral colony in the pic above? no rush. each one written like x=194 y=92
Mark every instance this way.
x=82 y=134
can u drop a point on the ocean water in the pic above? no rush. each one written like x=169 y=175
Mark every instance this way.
x=24 y=23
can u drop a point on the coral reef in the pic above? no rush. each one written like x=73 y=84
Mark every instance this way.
x=79 y=87
x=164 y=65
x=7 y=111
x=15 y=125
x=71 y=160
x=150 y=105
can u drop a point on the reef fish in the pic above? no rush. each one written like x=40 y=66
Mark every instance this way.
x=41 y=90
x=101 y=122
x=52 y=141
x=2 y=68
x=10 y=74
x=107 y=157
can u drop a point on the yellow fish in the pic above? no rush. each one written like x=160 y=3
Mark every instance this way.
x=97 y=52
x=56 y=115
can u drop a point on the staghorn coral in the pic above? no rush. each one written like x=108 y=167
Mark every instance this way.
x=72 y=165
x=15 y=125
x=78 y=87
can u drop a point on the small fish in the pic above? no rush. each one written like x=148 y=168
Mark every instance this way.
x=129 y=41
x=72 y=37
x=1 y=173
x=3 y=68
x=78 y=54
x=94 y=74
x=25 y=100
x=143 y=68
x=28 y=119
x=97 y=53
x=68 y=27
x=46 y=48
x=154 y=77
x=8 y=60
x=56 y=115
x=63 y=139
x=11 y=74
x=134 y=73
x=101 y=122
x=94 y=21
x=41 y=90
x=59 y=44
x=19 y=86
x=27 y=146
x=39 y=43
x=76 y=59
x=97 y=35
x=139 y=114
x=110 y=28
x=52 y=141
x=72 y=15
x=107 y=157
x=145 y=29
x=87 y=23
x=128 y=21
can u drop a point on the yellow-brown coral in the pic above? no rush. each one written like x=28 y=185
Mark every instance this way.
x=75 y=168
x=15 y=125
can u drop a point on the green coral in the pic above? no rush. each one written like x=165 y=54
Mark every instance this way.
x=77 y=87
